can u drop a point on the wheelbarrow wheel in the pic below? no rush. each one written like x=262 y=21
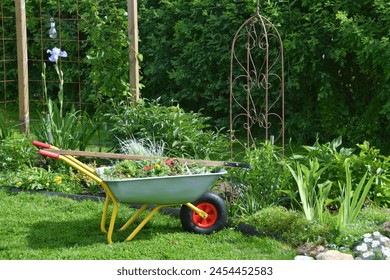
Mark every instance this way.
x=215 y=208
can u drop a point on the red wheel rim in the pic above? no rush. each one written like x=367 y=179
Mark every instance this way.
x=211 y=218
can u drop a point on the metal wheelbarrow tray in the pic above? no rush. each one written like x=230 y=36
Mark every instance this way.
x=201 y=211
x=176 y=189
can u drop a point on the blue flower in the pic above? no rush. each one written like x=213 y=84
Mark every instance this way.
x=55 y=53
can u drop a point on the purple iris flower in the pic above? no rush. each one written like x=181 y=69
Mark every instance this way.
x=55 y=53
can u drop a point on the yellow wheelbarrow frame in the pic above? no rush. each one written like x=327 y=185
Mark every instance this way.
x=110 y=197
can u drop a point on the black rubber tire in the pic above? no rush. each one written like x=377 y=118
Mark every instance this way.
x=219 y=212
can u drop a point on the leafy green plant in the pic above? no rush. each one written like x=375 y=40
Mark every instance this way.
x=363 y=159
x=259 y=186
x=185 y=134
x=5 y=132
x=370 y=160
x=352 y=200
x=313 y=195
x=85 y=184
x=287 y=225
x=248 y=200
x=292 y=227
x=17 y=153
x=107 y=51
x=370 y=219
x=71 y=130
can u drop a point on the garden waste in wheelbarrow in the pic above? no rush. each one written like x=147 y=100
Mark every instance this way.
x=201 y=211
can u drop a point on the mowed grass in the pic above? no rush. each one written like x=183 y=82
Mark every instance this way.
x=42 y=227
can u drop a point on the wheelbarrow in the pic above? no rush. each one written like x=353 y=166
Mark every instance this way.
x=201 y=211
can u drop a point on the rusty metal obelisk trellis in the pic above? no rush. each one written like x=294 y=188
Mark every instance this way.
x=256 y=84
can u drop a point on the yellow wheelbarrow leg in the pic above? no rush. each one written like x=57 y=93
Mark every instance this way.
x=104 y=216
x=109 y=196
x=144 y=221
x=112 y=221
x=133 y=218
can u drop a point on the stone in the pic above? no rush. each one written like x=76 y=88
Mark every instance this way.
x=333 y=255
x=303 y=258
x=310 y=249
x=386 y=227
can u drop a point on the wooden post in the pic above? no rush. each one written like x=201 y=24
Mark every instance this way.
x=21 y=35
x=133 y=53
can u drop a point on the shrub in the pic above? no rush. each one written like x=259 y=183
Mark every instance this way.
x=287 y=226
x=260 y=186
x=363 y=159
x=186 y=134
x=17 y=153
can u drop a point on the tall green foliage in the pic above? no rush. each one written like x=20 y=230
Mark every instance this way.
x=336 y=58
x=186 y=47
x=17 y=153
x=336 y=53
x=365 y=160
x=258 y=187
x=69 y=129
x=313 y=195
x=185 y=134
x=352 y=199
x=107 y=49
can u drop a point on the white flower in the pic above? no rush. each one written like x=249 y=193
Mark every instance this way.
x=367 y=235
x=375 y=244
x=386 y=251
x=367 y=255
x=362 y=247
x=386 y=254
x=367 y=240
x=384 y=239
x=376 y=235
x=55 y=53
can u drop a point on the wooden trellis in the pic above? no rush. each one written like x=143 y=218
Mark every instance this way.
x=21 y=36
x=21 y=30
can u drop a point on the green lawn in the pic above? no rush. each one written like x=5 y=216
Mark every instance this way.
x=42 y=227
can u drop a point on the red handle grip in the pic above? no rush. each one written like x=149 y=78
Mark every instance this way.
x=49 y=154
x=41 y=145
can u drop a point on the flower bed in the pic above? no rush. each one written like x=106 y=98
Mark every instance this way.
x=374 y=247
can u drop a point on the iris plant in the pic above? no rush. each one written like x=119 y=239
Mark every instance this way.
x=56 y=53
